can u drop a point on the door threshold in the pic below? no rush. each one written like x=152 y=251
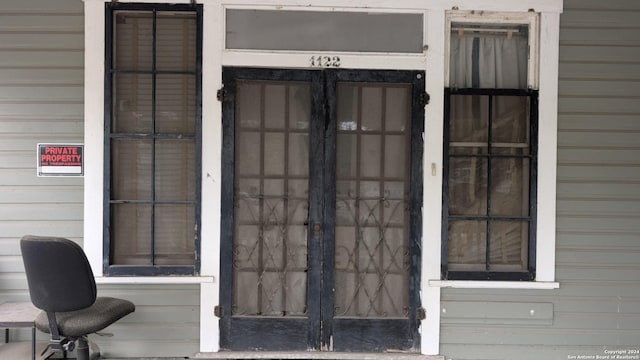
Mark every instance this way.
x=247 y=355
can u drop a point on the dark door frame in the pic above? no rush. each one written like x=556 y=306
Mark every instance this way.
x=319 y=330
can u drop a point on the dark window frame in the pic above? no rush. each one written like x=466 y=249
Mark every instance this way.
x=530 y=274
x=149 y=270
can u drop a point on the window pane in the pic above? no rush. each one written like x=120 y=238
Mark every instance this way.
x=133 y=40
x=132 y=104
x=175 y=170
x=510 y=122
x=468 y=124
x=174 y=235
x=131 y=234
x=323 y=31
x=176 y=104
x=467 y=245
x=509 y=241
x=176 y=41
x=510 y=187
x=131 y=169
x=467 y=186
x=488 y=56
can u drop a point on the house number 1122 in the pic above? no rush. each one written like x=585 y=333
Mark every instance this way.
x=325 y=61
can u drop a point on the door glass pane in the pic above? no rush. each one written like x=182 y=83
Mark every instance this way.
x=397 y=107
x=271 y=196
x=248 y=104
x=369 y=159
x=371 y=108
x=372 y=178
x=299 y=100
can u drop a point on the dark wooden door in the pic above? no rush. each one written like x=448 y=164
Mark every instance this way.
x=321 y=210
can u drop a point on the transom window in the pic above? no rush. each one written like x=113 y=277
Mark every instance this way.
x=152 y=139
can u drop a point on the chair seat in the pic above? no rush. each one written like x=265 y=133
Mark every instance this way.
x=104 y=312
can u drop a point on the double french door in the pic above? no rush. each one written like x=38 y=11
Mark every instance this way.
x=321 y=219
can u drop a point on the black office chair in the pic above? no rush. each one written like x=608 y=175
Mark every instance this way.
x=61 y=284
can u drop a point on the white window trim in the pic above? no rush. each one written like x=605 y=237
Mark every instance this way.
x=432 y=61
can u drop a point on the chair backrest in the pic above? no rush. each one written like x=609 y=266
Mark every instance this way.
x=58 y=272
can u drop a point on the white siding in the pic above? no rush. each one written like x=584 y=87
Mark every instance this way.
x=598 y=209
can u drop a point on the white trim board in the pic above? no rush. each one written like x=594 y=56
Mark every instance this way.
x=432 y=61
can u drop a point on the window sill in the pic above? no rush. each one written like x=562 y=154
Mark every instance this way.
x=462 y=284
x=154 y=280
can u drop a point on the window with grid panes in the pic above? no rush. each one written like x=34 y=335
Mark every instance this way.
x=152 y=139
x=490 y=155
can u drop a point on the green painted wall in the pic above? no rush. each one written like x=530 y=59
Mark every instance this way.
x=598 y=213
x=41 y=100
x=598 y=228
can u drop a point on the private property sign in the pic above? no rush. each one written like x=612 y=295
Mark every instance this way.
x=60 y=160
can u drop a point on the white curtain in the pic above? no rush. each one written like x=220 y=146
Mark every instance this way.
x=488 y=61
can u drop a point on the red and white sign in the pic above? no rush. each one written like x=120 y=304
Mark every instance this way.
x=60 y=159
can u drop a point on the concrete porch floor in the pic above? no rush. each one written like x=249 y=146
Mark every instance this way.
x=297 y=356
x=22 y=350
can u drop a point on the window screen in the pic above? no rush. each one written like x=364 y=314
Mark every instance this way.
x=153 y=138
x=490 y=181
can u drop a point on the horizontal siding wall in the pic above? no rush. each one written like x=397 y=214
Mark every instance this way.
x=41 y=100
x=598 y=210
x=166 y=322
